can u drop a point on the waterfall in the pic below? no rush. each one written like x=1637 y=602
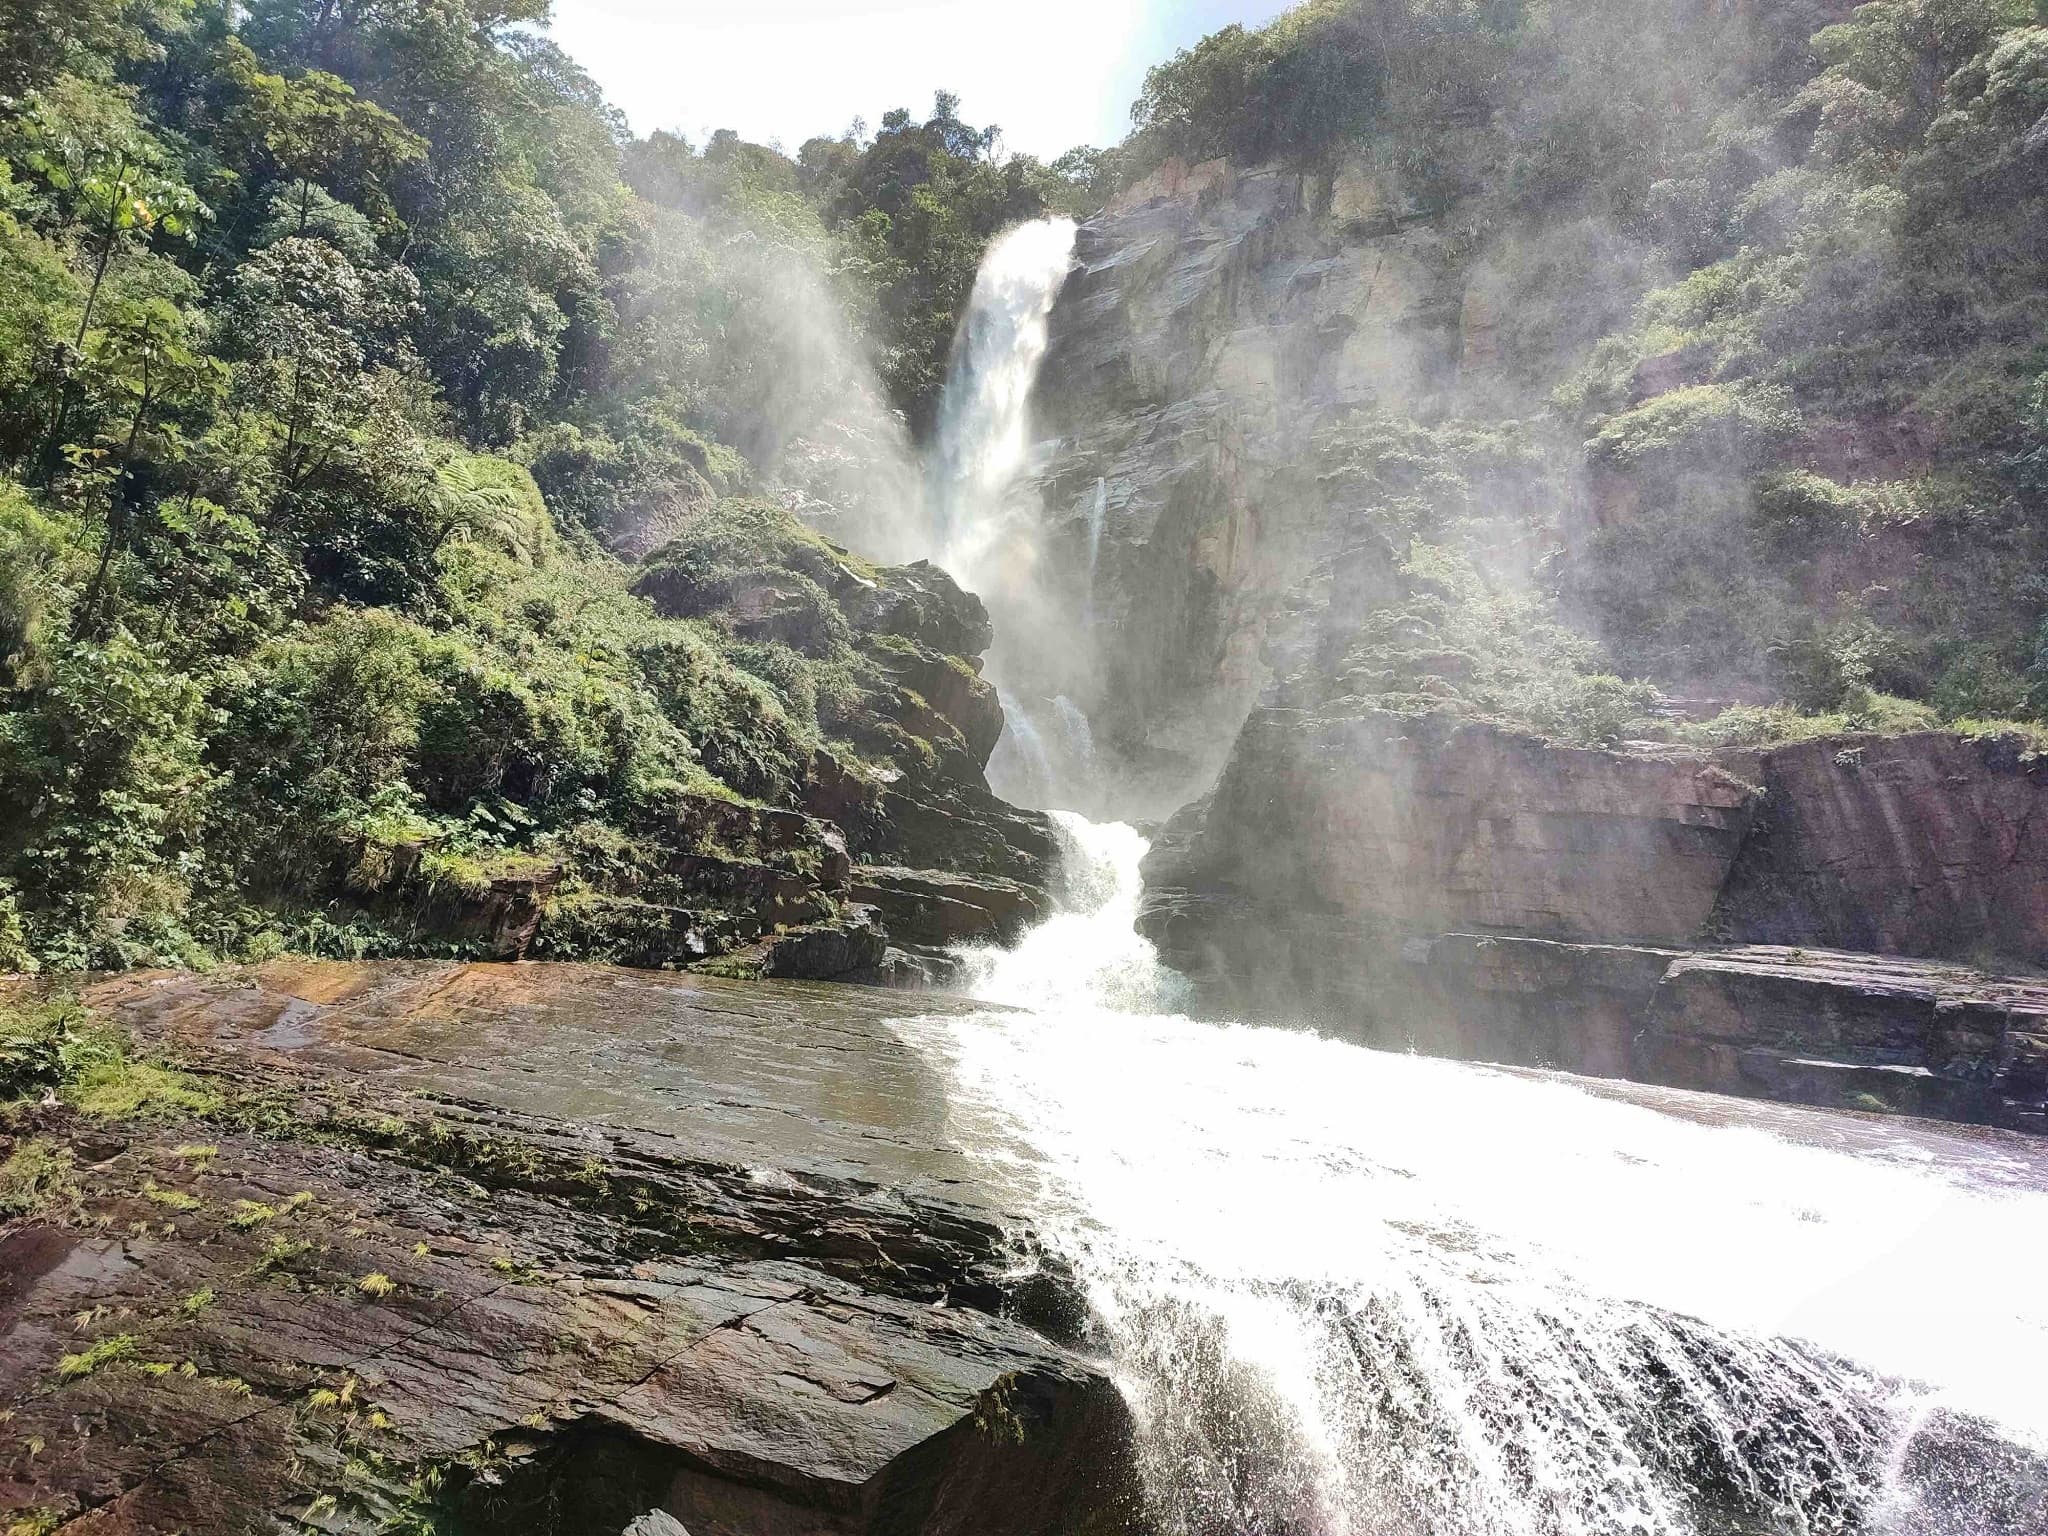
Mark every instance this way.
x=984 y=414
x=1021 y=763
x=1354 y=1293
x=1089 y=955
x=988 y=524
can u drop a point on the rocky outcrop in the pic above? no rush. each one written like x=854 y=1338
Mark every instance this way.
x=1928 y=844
x=1832 y=1027
x=1841 y=1029
x=1217 y=319
x=1435 y=823
x=745 y=889
x=1452 y=887
x=923 y=906
x=534 y=1249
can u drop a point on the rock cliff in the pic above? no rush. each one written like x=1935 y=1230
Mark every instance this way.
x=533 y=1249
x=1226 y=335
x=1721 y=920
x=1347 y=579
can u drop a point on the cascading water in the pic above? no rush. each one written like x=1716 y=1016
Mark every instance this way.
x=1089 y=956
x=1350 y=1292
x=987 y=524
x=984 y=415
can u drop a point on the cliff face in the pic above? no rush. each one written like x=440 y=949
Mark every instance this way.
x=1459 y=889
x=1428 y=822
x=1342 y=602
x=1214 y=322
x=1915 y=845
x=1251 y=376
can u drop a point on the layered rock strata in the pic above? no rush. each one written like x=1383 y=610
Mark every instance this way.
x=1717 y=920
x=894 y=849
x=525 y=1250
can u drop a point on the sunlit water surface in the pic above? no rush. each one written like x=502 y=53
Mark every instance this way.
x=1348 y=1291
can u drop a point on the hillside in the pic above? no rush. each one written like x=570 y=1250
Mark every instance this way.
x=350 y=356
x=1604 y=370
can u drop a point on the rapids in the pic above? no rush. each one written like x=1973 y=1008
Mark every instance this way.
x=1354 y=1292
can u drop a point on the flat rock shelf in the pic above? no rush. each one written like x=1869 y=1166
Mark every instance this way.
x=524 y=1248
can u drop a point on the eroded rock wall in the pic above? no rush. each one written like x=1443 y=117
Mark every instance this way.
x=1929 y=844
x=1464 y=890
x=1216 y=320
x=1223 y=334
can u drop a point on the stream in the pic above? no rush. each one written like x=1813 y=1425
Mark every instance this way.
x=1349 y=1292
x=1355 y=1293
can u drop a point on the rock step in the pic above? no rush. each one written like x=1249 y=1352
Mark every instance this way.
x=850 y=947
x=1815 y=1026
x=937 y=908
x=627 y=930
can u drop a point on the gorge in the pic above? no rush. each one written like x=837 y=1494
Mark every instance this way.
x=1412 y=905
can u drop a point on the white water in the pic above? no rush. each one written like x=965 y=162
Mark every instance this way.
x=1355 y=1292
x=1349 y=1293
x=984 y=436
x=990 y=525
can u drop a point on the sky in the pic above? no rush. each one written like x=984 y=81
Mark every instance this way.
x=1050 y=73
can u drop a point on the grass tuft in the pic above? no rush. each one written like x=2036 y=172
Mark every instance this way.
x=116 y=1349
x=36 y=1178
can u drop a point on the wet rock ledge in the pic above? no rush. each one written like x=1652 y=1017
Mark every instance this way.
x=501 y=1248
x=1856 y=922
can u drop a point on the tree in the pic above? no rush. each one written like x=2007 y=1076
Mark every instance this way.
x=112 y=175
x=41 y=39
x=314 y=128
x=308 y=325
x=143 y=364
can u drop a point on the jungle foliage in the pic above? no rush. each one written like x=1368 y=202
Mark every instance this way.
x=345 y=350
x=1765 y=291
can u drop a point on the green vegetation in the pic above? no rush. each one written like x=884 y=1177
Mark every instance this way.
x=1762 y=291
x=55 y=1045
x=344 y=351
x=1439 y=624
x=1860 y=520
x=36 y=1177
x=115 y=1349
x=60 y=1045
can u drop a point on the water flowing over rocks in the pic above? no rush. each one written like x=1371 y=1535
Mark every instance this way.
x=1457 y=888
x=535 y=1249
